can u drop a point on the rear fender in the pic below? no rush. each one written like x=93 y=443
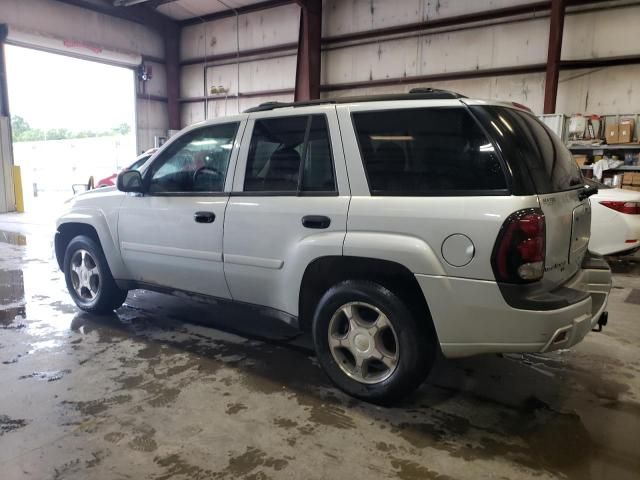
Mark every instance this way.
x=411 y=252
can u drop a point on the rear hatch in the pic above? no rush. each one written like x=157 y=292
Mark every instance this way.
x=540 y=163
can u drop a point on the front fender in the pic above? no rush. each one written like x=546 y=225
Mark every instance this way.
x=105 y=225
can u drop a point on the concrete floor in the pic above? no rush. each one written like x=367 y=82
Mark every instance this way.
x=149 y=392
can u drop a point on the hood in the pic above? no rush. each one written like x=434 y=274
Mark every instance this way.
x=91 y=196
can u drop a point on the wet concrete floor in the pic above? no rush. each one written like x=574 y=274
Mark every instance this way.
x=170 y=388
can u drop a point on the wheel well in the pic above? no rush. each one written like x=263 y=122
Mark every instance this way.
x=67 y=232
x=325 y=272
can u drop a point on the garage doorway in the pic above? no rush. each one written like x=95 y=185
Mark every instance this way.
x=72 y=120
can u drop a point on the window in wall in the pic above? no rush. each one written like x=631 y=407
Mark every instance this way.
x=196 y=162
x=426 y=151
x=278 y=147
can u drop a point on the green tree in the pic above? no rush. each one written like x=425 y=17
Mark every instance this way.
x=19 y=126
x=122 y=129
x=23 y=132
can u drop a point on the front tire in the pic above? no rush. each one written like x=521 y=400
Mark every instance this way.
x=370 y=343
x=89 y=278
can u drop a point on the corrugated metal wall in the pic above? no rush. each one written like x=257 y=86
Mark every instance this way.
x=267 y=39
x=519 y=42
x=214 y=44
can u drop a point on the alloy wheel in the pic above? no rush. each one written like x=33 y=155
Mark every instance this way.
x=363 y=342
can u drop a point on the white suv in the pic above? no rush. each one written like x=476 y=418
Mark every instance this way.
x=388 y=226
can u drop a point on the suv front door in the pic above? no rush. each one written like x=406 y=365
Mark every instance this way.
x=288 y=206
x=172 y=235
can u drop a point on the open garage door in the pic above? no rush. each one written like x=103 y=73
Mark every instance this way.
x=72 y=119
x=72 y=48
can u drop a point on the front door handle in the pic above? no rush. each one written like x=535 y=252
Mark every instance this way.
x=316 y=221
x=204 y=217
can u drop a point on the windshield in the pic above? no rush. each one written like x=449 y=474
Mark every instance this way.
x=141 y=160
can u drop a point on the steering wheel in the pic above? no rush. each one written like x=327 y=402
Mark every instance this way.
x=215 y=172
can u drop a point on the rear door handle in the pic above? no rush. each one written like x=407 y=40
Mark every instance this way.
x=316 y=221
x=204 y=217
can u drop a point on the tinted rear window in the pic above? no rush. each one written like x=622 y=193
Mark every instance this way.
x=526 y=141
x=427 y=151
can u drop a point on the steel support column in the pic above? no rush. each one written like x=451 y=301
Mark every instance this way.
x=4 y=93
x=309 y=51
x=172 y=68
x=556 y=28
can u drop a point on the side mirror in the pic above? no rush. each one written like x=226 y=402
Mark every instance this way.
x=130 y=181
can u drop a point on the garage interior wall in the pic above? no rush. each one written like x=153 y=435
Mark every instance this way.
x=385 y=64
x=495 y=44
x=230 y=63
x=210 y=48
x=49 y=18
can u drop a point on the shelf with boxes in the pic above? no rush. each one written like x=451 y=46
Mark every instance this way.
x=631 y=181
x=610 y=143
x=599 y=135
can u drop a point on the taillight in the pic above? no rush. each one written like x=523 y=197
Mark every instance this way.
x=632 y=208
x=518 y=255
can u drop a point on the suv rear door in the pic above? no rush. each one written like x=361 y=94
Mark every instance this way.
x=288 y=205
x=540 y=163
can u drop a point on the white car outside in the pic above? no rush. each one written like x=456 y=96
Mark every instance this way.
x=615 y=221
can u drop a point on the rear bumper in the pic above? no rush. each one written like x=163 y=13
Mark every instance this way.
x=616 y=235
x=473 y=317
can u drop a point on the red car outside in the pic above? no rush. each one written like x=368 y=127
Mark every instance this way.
x=111 y=179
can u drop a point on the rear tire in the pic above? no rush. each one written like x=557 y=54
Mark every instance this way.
x=89 y=278
x=370 y=343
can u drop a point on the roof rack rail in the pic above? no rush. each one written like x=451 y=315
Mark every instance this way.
x=425 y=93
x=435 y=92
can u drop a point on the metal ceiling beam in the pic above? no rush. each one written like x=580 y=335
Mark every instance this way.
x=157 y=3
x=128 y=3
x=135 y=13
x=556 y=28
x=230 y=13
x=309 y=51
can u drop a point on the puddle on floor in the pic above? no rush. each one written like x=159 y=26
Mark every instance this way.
x=10 y=316
x=13 y=238
x=11 y=286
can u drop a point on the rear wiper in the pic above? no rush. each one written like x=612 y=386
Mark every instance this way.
x=586 y=192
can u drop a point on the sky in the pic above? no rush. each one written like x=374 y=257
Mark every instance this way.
x=54 y=91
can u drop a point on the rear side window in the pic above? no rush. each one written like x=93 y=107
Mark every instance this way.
x=290 y=154
x=428 y=151
x=531 y=149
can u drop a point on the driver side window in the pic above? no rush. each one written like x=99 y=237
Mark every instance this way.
x=195 y=162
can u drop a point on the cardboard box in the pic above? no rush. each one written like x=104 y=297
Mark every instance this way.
x=627 y=178
x=625 y=132
x=580 y=159
x=613 y=132
x=631 y=178
x=630 y=187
